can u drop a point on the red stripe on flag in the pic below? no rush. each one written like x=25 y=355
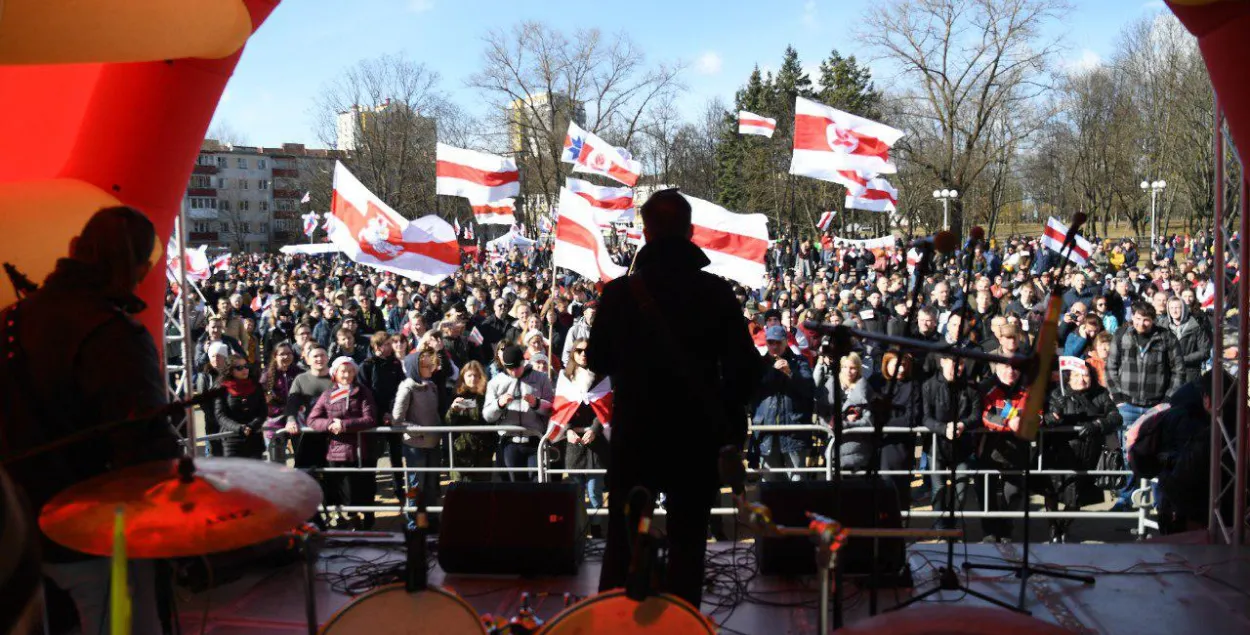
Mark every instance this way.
x=448 y=252
x=746 y=121
x=574 y=234
x=611 y=203
x=481 y=177
x=1058 y=237
x=811 y=133
x=876 y=195
x=745 y=247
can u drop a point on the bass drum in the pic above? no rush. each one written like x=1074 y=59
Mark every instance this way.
x=392 y=610
x=611 y=613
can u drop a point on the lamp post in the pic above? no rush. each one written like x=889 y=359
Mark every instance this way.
x=1154 y=188
x=945 y=196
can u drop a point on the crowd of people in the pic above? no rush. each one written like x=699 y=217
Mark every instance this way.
x=319 y=342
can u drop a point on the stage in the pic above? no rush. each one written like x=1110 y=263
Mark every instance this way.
x=1142 y=588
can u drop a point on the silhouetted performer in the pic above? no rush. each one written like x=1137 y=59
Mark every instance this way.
x=673 y=339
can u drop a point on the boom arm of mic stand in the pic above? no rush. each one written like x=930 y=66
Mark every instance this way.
x=843 y=331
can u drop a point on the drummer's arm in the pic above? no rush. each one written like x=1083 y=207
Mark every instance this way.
x=119 y=372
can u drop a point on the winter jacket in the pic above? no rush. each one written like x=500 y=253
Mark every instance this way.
x=944 y=402
x=856 y=450
x=518 y=412
x=418 y=404
x=999 y=447
x=1194 y=341
x=357 y=413
x=241 y=411
x=201 y=348
x=382 y=376
x=1096 y=418
x=277 y=390
x=906 y=410
x=1144 y=369
x=784 y=400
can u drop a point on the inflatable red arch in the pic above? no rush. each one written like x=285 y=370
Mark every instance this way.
x=108 y=104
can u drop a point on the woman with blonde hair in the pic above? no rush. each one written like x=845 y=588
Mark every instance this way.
x=855 y=395
x=472 y=449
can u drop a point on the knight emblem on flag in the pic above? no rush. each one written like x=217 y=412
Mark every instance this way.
x=841 y=138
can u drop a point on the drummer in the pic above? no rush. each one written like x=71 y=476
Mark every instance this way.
x=82 y=360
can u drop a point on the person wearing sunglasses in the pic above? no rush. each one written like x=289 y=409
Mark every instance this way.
x=241 y=411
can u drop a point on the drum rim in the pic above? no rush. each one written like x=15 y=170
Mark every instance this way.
x=400 y=586
x=612 y=593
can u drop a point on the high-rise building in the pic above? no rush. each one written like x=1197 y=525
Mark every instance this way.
x=530 y=119
x=247 y=198
x=352 y=124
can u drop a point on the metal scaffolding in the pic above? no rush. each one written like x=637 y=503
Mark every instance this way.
x=177 y=331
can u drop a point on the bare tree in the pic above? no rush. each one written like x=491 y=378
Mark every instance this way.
x=225 y=135
x=539 y=78
x=970 y=64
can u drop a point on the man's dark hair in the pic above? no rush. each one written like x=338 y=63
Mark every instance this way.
x=1144 y=309
x=116 y=239
x=667 y=214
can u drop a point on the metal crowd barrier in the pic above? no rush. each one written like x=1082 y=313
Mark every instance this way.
x=543 y=473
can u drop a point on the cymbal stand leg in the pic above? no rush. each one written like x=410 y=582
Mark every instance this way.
x=307 y=542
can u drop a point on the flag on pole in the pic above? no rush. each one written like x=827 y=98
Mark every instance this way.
x=198 y=267
x=329 y=221
x=612 y=204
x=307 y=197
x=1052 y=239
x=475 y=337
x=913 y=259
x=826 y=219
x=310 y=223
x=501 y=212
x=751 y=123
x=634 y=236
x=1069 y=363
x=371 y=233
x=468 y=231
x=544 y=226
x=579 y=244
x=220 y=263
x=477 y=176
x=1206 y=295
x=569 y=397
x=455 y=223
x=827 y=140
x=852 y=180
x=735 y=243
x=877 y=195
x=592 y=155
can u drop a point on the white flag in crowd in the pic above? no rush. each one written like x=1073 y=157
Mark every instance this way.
x=751 y=123
x=310 y=223
x=196 y=259
x=1052 y=239
x=1206 y=295
x=329 y=221
x=877 y=195
x=220 y=264
x=371 y=233
x=735 y=243
x=827 y=140
x=634 y=236
x=307 y=197
x=477 y=176
x=579 y=244
x=884 y=242
x=502 y=212
x=612 y=204
x=826 y=219
x=592 y=155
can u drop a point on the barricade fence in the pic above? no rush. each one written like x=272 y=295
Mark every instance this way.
x=543 y=472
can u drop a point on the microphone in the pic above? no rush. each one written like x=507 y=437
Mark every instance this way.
x=944 y=242
x=415 y=572
x=641 y=559
x=976 y=236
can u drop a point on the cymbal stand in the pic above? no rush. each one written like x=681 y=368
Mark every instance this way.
x=309 y=537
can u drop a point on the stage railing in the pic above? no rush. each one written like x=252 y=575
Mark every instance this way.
x=543 y=473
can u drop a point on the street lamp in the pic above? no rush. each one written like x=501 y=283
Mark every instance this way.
x=945 y=196
x=1154 y=188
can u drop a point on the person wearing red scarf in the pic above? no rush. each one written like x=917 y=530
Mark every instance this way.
x=241 y=411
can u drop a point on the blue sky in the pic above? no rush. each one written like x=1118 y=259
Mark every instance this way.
x=307 y=43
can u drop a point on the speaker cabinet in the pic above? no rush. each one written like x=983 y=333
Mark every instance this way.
x=512 y=528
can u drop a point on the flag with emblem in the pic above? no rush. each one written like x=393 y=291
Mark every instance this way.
x=371 y=233
x=828 y=141
x=569 y=397
x=592 y=155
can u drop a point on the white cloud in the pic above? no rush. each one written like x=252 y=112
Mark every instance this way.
x=809 y=14
x=420 y=6
x=709 y=63
x=1086 y=62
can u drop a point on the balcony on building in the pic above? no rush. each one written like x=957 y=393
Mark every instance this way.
x=202 y=237
x=295 y=194
x=206 y=192
x=287 y=173
x=204 y=169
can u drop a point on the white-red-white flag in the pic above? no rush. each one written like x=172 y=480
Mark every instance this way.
x=913 y=259
x=220 y=264
x=371 y=233
x=612 y=204
x=751 y=123
x=340 y=393
x=198 y=267
x=579 y=244
x=634 y=236
x=1206 y=295
x=827 y=140
x=477 y=176
x=1052 y=239
x=826 y=219
x=877 y=195
x=475 y=337
x=569 y=397
x=455 y=224
x=329 y=221
x=1067 y=362
x=468 y=231
x=592 y=155
x=307 y=197
x=310 y=223
x=502 y=212
x=735 y=243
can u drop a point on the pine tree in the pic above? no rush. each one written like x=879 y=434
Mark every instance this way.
x=846 y=85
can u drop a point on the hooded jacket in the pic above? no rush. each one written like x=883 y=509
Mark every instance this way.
x=1194 y=341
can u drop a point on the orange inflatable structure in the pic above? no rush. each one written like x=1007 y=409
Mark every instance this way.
x=106 y=103
x=1223 y=31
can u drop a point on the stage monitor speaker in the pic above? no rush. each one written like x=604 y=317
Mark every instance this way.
x=795 y=556
x=512 y=528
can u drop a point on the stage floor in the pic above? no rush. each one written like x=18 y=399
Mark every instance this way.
x=1151 y=588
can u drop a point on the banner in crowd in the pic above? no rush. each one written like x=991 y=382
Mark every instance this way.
x=592 y=155
x=877 y=195
x=735 y=243
x=1052 y=239
x=885 y=243
x=751 y=123
x=827 y=140
x=477 y=176
x=501 y=212
x=508 y=241
x=311 y=249
x=371 y=233
x=579 y=245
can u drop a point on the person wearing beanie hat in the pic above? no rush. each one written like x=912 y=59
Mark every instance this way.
x=519 y=396
x=72 y=358
x=342 y=411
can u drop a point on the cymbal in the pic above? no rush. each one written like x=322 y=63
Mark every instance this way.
x=225 y=504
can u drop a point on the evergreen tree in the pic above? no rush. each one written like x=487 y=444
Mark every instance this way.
x=846 y=85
